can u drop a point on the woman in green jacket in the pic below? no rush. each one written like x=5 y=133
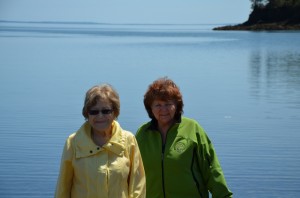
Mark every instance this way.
x=178 y=157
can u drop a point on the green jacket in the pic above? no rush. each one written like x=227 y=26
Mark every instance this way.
x=187 y=166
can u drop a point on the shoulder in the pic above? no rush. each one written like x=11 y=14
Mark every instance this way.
x=191 y=123
x=193 y=129
x=72 y=136
x=128 y=134
x=144 y=126
x=69 y=145
x=130 y=142
x=129 y=138
x=186 y=120
x=142 y=130
x=70 y=139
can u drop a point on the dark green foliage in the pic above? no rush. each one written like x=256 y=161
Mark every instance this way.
x=275 y=3
x=270 y=15
x=274 y=11
x=258 y=3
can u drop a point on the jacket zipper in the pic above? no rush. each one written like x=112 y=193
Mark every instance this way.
x=162 y=162
x=162 y=169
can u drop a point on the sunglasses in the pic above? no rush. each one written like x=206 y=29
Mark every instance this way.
x=103 y=112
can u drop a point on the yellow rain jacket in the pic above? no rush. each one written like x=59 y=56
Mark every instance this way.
x=114 y=170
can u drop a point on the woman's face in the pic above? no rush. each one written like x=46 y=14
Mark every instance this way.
x=164 y=111
x=101 y=116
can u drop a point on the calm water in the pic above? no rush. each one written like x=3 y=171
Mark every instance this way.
x=243 y=87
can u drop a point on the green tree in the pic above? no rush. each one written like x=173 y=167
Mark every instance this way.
x=258 y=3
x=275 y=11
x=277 y=3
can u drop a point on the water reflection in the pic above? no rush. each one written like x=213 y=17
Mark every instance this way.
x=275 y=76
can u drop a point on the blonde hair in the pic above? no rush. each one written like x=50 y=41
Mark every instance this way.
x=98 y=92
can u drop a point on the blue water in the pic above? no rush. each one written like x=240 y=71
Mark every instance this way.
x=243 y=87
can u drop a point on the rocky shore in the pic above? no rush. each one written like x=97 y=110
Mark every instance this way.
x=260 y=27
x=276 y=15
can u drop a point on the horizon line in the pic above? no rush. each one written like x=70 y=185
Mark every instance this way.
x=104 y=23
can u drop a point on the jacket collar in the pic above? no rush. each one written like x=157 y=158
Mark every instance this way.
x=154 y=125
x=85 y=147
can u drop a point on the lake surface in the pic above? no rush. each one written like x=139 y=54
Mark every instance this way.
x=242 y=87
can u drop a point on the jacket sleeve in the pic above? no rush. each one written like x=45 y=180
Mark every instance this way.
x=210 y=168
x=136 y=180
x=64 y=182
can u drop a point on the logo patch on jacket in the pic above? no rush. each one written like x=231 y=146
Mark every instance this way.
x=179 y=147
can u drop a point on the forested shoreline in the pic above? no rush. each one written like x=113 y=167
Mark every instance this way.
x=270 y=15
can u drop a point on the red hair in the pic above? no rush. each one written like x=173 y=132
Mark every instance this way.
x=163 y=89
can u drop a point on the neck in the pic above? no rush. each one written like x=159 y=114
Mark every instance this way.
x=163 y=129
x=101 y=137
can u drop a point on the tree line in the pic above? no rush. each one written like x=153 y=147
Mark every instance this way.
x=275 y=3
x=275 y=11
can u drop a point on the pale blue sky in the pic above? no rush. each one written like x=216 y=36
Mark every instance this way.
x=127 y=11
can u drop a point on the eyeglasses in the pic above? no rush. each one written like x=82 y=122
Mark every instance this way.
x=103 y=112
x=161 y=106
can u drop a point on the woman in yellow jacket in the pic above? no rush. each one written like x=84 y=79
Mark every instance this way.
x=101 y=159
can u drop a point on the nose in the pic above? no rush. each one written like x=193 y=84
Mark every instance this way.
x=164 y=107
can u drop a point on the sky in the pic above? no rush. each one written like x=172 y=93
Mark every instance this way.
x=128 y=11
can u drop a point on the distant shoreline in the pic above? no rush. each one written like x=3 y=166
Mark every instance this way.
x=260 y=27
x=273 y=15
